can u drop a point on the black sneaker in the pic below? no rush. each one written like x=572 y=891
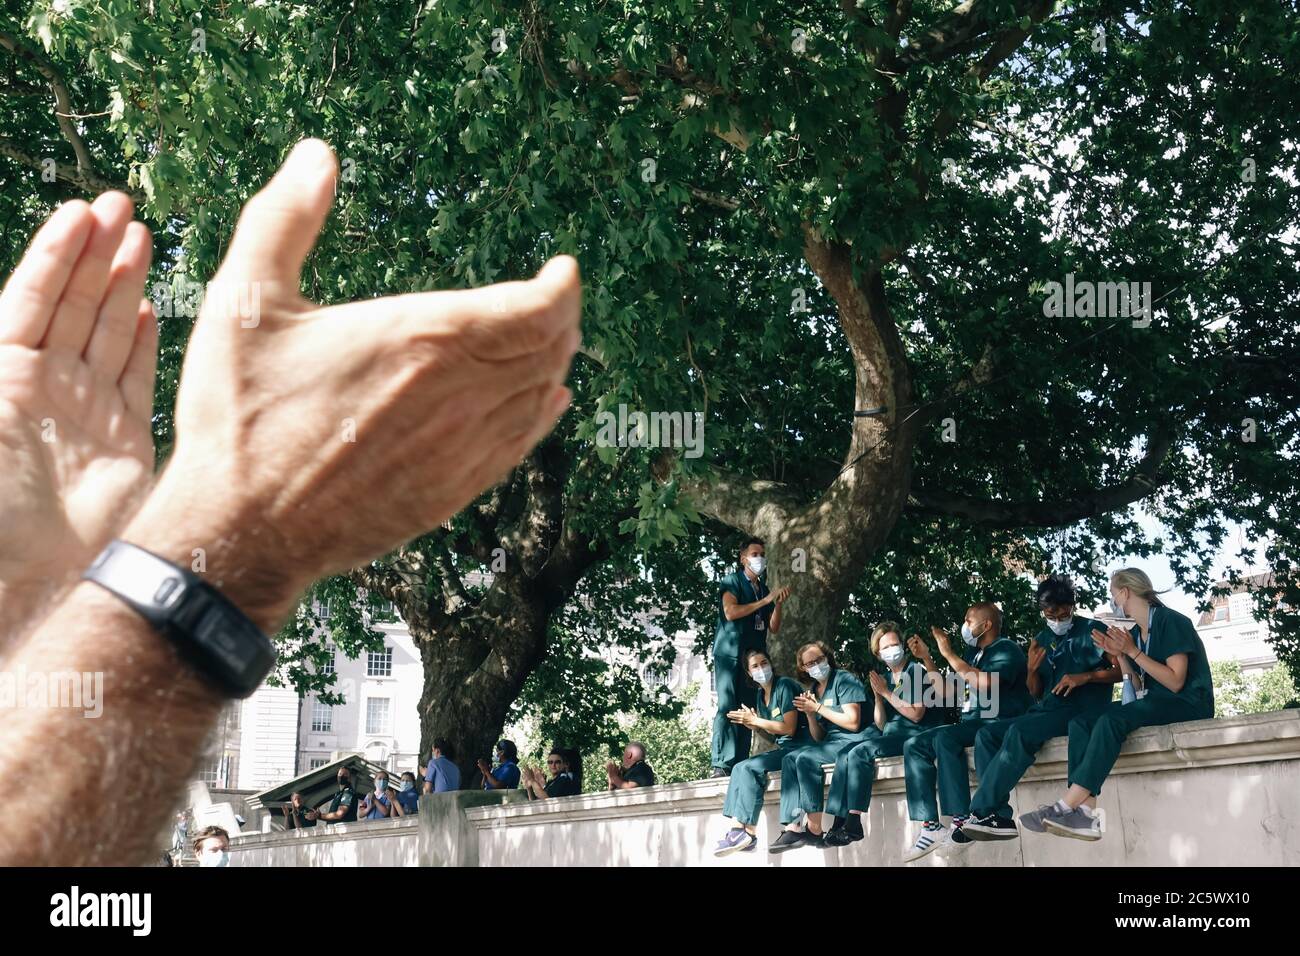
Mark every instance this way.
x=788 y=840
x=838 y=836
x=959 y=838
x=990 y=827
x=853 y=827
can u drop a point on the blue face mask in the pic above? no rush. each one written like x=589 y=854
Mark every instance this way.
x=407 y=785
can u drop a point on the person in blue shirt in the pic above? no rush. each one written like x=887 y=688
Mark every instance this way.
x=380 y=803
x=1165 y=658
x=408 y=797
x=747 y=612
x=442 y=774
x=505 y=775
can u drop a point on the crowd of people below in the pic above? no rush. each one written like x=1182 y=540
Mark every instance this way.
x=441 y=774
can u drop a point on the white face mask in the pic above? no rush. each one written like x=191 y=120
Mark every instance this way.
x=892 y=654
x=1061 y=628
x=819 y=672
x=214 y=858
x=756 y=563
x=761 y=675
x=1118 y=608
x=969 y=636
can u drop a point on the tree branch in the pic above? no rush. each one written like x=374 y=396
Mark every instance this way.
x=1048 y=514
x=74 y=176
x=62 y=101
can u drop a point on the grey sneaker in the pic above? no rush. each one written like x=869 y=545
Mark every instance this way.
x=1076 y=824
x=1034 y=820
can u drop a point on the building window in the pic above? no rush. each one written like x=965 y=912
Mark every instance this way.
x=323 y=609
x=1221 y=612
x=328 y=666
x=377 y=716
x=315 y=762
x=384 y=612
x=379 y=663
x=1239 y=607
x=322 y=718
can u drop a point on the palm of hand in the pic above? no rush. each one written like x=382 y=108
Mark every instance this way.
x=73 y=458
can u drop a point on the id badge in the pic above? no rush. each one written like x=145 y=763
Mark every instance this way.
x=759 y=623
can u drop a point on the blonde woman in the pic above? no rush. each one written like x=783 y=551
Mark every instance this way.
x=1165 y=658
x=833 y=706
x=898 y=715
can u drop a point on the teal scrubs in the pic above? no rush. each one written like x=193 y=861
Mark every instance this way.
x=744 y=802
x=939 y=755
x=1097 y=736
x=855 y=767
x=1005 y=749
x=802 y=778
x=730 y=644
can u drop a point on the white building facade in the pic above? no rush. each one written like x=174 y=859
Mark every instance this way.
x=1231 y=631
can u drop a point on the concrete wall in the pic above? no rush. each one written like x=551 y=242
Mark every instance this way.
x=1210 y=793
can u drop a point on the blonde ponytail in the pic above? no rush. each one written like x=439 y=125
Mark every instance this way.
x=1136 y=580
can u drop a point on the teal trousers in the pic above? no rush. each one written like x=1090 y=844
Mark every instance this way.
x=855 y=768
x=936 y=758
x=744 y=802
x=731 y=742
x=1096 y=738
x=802 y=780
x=1005 y=749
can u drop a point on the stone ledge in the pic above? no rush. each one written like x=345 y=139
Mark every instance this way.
x=330 y=832
x=1252 y=738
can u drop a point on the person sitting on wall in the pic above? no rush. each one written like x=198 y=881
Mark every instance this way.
x=505 y=775
x=563 y=783
x=297 y=816
x=442 y=774
x=634 y=772
x=212 y=847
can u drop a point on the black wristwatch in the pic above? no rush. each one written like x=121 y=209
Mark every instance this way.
x=211 y=634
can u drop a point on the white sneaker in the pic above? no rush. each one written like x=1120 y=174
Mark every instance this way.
x=927 y=841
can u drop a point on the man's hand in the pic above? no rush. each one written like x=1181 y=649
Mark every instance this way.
x=312 y=439
x=1068 y=683
x=1037 y=654
x=780 y=596
x=78 y=348
x=942 y=639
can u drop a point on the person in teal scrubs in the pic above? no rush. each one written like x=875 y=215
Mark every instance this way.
x=833 y=705
x=774 y=713
x=1165 y=658
x=899 y=714
x=747 y=612
x=992 y=671
x=1069 y=675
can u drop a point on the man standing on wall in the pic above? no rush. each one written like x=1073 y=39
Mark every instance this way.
x=747 y=611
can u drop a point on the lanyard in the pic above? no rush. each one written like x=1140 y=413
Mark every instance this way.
x=1151 y=613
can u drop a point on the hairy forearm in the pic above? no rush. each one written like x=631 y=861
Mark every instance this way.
x=155 y=710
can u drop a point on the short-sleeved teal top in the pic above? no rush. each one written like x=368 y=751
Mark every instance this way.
x=734 y=638
x=1072 y=653
x=1172 y=633
x=1009 y=695
x=909 y=686
x=843 y=688
x=783 y=695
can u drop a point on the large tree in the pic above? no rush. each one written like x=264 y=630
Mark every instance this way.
x=827 y=228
